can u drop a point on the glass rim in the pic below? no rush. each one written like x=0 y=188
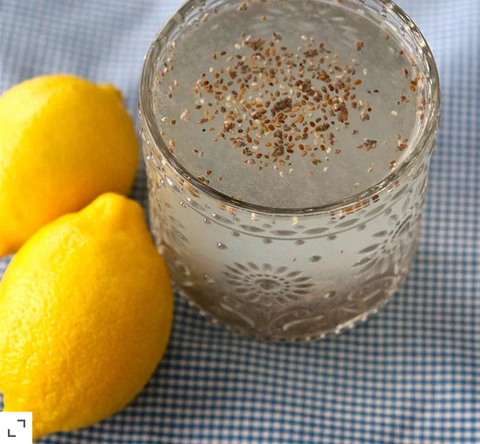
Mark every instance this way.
x=429 y=127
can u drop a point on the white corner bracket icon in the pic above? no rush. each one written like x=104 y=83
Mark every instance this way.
x=16 y=428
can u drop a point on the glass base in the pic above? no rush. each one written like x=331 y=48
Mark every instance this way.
x=321 y=334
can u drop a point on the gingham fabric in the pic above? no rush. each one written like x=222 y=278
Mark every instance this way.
x=410 y=375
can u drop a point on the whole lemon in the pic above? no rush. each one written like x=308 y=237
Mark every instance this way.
x=63 y=142
x=85 y=316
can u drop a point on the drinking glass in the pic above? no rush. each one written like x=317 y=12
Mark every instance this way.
x=294 y=274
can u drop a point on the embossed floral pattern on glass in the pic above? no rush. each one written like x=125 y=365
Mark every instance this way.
x=292 y=277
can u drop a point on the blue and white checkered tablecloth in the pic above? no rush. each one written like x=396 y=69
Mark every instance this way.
x=410 y=375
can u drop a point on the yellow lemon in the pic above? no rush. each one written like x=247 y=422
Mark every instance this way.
x=85 y=316
x=63 y=142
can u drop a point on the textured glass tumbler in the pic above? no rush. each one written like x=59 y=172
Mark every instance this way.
x=287 y=274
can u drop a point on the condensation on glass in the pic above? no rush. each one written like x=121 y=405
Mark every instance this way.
x=279 y=274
